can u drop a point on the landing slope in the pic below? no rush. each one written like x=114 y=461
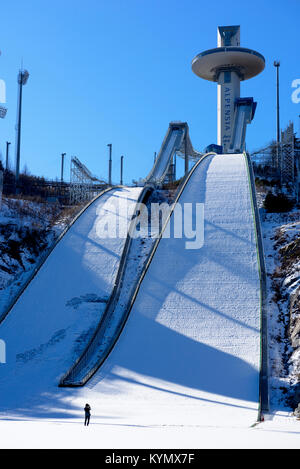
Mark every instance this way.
x=190 y=351
x=53 y=319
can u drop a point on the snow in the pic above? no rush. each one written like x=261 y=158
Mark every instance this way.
x=58 y=312
x=190 y=351
x=40 y=434
x=279 y=230
x=138 y=253
x=184 y=372
x=26 y=230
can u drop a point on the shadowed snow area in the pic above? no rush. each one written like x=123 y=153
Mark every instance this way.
x=52 y=321
x=190 y=352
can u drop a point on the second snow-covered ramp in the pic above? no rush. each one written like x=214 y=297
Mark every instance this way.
x=58 y=312
x=190 y=351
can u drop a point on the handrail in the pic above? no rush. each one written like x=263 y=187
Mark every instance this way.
x=66 y=380
x=45 y=256
x=264 y=372
x=178 y=133
x=166 y=138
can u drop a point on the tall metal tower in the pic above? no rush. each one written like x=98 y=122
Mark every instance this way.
x=62 y=167
x=288 y=156
x=110 y=165
x=7 y=155
x=277 y=65
x=121 y=170
x=228 y=65
x=22 y=80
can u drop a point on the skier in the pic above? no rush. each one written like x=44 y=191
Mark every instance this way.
x=87 y=411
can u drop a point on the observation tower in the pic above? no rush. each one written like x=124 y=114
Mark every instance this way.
x=228 y=65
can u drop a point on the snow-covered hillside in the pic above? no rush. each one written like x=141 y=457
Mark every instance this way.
x=185 y=370
x=56 y=315
x=281 y=234
x=27 y=229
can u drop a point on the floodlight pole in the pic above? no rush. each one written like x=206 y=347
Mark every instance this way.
x=62 y=167
x=19 y=133
x=22 y=80
x=122 y=165
x=110 y=164
x=277 y=65
x=7 y=155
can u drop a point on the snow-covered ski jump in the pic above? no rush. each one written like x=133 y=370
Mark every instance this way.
x=154 y=333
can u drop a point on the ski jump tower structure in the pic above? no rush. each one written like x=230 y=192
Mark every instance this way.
x=228 y=65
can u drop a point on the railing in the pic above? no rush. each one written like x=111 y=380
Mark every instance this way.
x=69 y=379
x=264 y=378
x=74 y=378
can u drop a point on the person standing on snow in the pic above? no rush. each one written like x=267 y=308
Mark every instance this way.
x=87 y=411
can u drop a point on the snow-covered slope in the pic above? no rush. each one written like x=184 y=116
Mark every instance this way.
x=190 y=352
x=27 y=230
x=57 y=313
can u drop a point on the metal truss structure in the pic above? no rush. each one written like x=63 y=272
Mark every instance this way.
x=83 y=185
x=282 y=160
x=287 y=170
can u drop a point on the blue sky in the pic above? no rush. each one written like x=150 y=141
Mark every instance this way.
x=119 y=71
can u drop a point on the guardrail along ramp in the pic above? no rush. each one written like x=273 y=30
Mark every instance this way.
x=190 y=351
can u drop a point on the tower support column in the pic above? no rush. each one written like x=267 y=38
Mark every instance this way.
x=228 y=92
x=228 y=65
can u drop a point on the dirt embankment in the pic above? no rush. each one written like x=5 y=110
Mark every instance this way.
x=286 y=288
x=27 y=228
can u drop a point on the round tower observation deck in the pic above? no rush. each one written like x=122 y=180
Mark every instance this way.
x=246 y=63
x=228 y=65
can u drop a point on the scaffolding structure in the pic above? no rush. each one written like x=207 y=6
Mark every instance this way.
x=171 y=174
x=282 y=160
x=83 y=185
x=287 y=170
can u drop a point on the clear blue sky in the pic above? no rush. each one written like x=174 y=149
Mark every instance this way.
x=118 y=71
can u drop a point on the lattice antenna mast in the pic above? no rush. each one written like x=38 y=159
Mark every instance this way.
x=288 y=156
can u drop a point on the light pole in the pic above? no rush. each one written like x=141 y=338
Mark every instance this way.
x=22 y=80
x=62 y=167
x=277 y=65
x=110 y=164
x=7 y=155
x=122 y=164
x=3 y=110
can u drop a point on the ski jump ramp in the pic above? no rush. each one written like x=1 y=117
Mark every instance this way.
x=57 y=313
x=190 y=353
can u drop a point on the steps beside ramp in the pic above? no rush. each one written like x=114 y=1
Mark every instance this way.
x=190 y=351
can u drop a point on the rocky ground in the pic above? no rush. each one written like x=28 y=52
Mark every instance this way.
x=281 y=233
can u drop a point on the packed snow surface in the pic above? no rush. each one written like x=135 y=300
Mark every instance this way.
x=190 y=351
x=58 y=312
x=185 y=370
